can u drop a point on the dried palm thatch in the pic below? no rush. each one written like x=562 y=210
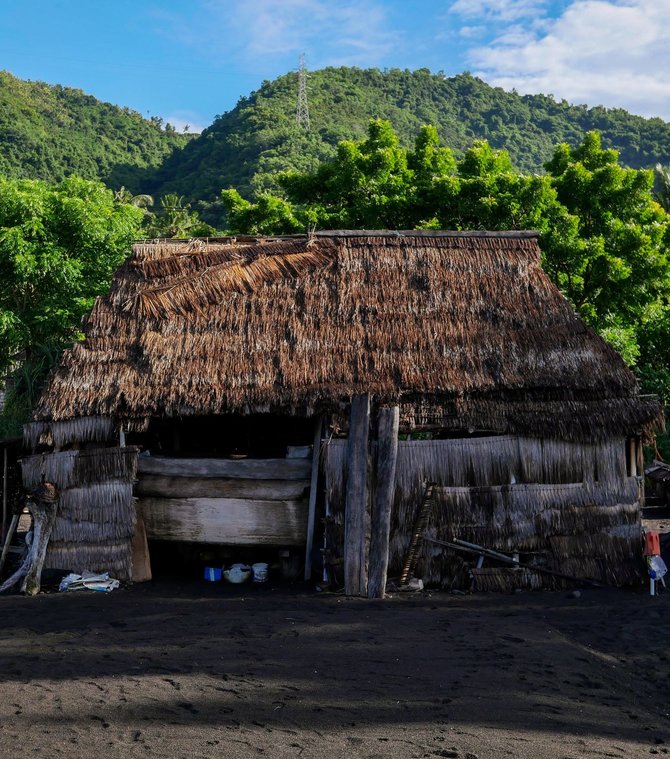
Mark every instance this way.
x=569 y=506
x=95 y=520
x=465 y=330
x=84 y=429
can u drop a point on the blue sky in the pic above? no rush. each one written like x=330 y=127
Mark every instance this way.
x=188 y=60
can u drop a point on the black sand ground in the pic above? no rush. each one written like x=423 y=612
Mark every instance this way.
x=193 y=670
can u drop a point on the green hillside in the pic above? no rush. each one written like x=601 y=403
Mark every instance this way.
x=48 y=132
x=246 y=146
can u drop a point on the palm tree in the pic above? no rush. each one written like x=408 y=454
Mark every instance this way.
x=139 y=201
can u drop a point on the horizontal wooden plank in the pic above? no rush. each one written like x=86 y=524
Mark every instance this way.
x=226 y=521
x=244 y=469
x=208 y=487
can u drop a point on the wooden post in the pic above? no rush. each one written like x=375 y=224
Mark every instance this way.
x=5 y=486
x=141 y=566
x=8 y=540
x=44 y=519
x=30 y=571
x=313 y=486
x=355 y=517
x=387 y=455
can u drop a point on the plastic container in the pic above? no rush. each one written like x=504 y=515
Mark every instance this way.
x=260 y=572
x=652 y=544
x=213 y=574
x=237 y=574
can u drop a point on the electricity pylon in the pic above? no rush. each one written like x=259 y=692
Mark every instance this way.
x=302 y=111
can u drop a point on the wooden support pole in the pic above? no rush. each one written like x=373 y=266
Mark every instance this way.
x=387 y=456
x=30 y=571
x=5 y=488
x=44 y=519
x=355 y=517
x=313 y=489
x=8 y=539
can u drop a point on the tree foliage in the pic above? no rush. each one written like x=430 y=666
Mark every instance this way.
x=604 y=238
x=50 y=132
x=59 y=246
x=175 y=220
x=247 y=147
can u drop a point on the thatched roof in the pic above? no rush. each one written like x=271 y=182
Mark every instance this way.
x=462 y=327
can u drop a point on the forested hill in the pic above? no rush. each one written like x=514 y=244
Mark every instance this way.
x=48 y=132
x=245 y=146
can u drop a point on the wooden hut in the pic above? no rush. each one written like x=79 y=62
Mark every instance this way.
x=519 y=427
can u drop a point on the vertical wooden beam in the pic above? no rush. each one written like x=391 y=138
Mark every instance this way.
x=632 y=458
x=387 y=456
x=355 y=516
x=141 y=561
x=44 y=519
x=313 y=488
x=8 y=539
x=5 y=488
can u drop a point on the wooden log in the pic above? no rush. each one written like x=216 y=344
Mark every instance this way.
x=206 y=487
x=29 y=574
x=226 y=521
x=387 y=456
x=246 y=469
x=44 y=518
x=313 y=486
x=356 y=508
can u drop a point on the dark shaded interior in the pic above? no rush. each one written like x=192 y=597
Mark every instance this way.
x=257 y=436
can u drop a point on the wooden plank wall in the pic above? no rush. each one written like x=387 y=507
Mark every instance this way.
x=228 y=502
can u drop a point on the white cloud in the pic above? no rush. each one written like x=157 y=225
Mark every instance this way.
x=184 y=122
x=471 y=32
x=499 y=10
x=600 y=52
x=331 y=33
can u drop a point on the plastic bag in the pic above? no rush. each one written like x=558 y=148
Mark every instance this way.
x=657 y=567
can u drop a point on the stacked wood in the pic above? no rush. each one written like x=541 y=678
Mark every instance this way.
x=224 y=501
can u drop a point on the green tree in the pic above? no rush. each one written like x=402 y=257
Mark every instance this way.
x=614 y=266
x=603 y=236
x=59 y=246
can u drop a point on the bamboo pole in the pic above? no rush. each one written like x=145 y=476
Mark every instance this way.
x=355 y=517
x=313 y=487
x=387 y=456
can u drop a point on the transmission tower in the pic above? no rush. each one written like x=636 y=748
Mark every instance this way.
x=302 y=111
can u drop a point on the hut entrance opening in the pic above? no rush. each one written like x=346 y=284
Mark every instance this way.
x=217 y=490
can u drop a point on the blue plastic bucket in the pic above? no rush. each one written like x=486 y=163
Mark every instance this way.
x=213 y=574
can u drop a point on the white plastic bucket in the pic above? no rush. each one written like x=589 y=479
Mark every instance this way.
x=260 y=571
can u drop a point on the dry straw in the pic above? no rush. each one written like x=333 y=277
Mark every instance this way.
x=464 y=330
x=569 y=507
